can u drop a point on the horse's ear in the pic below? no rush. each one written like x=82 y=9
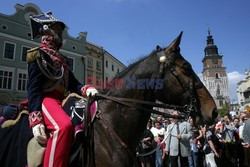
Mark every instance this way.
x=174 y=46
x=158 y=48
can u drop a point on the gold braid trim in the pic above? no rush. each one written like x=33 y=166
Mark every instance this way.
x=32 y=54
x=9 y=123
x=71 y=95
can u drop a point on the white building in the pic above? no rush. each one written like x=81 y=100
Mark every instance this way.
x=243 y=92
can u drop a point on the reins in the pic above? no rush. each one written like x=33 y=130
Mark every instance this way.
x=133 y=103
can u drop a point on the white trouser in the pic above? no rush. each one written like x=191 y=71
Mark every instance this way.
x=210 y=161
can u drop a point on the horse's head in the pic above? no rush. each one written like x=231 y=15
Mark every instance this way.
x=181 y=86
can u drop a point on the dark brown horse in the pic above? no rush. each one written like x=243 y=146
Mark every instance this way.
x=180 y=86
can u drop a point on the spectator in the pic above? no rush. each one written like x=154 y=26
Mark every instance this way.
x=177 y=142
x=211 y=147
x=244 y=117
x=227 y=131
x=157 y=129
x=160 y=153
x=246 y=144
x=193 y=159
x=146 y=145
x=239 y=148
x=228 y=137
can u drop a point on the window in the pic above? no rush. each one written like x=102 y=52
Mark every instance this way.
x=22 y=81
x=98 y=65
x=6 y=78
x=24 y=53
x=90 y=62
x=218 y=91
x=118 y=70
x=99 y=81
x=98 y=76
x=107 y=64
x=216 y=76
x=9 y=50
x=220 y=103
x=71 y=63
x=112 y=67
x=89 y=78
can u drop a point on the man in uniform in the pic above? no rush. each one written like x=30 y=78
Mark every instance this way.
x=50 y=80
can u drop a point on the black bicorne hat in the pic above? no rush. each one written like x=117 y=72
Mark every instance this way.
x=40 y=23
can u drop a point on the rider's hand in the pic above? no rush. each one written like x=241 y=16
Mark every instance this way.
x=39 y=133
x=88 y=90
x=91 y=91
x=38 y=128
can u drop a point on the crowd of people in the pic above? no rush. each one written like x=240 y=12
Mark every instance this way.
x=173 y=142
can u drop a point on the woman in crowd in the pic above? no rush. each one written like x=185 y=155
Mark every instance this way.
x=146 y=145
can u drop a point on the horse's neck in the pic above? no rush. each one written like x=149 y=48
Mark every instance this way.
x=126 y=121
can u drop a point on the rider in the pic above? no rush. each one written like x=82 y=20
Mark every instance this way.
x=50 y=80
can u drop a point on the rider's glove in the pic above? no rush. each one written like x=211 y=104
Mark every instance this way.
x=37 y=124
x=39 y=133
x=88 y=90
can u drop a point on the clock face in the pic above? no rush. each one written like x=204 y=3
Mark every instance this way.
x=215 y=61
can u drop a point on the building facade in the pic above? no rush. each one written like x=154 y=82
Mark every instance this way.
x=243 y=92
x=101 y=65
x=94 y=66
x=214 y=74
x=112 y=67
x=15 y=40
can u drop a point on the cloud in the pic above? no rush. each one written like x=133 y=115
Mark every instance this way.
x=233 y=79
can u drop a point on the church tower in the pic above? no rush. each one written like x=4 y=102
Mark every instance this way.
x=214 y=74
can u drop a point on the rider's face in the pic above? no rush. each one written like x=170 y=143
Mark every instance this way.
x=57 y=29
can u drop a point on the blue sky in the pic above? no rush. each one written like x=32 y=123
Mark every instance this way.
x=129 y=29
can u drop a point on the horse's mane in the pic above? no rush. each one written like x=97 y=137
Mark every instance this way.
x=126 y=70
x=132 y=65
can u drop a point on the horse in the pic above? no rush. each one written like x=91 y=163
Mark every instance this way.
x=118 y=130
x=163 y=75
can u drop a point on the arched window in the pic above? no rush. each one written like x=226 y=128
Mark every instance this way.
x=216 y=76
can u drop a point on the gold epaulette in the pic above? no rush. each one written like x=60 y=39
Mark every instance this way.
x=32 y=54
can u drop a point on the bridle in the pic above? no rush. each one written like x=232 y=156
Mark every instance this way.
x=166 y=62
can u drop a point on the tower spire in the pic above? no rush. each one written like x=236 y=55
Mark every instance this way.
x=214 y=74
x=210 y=39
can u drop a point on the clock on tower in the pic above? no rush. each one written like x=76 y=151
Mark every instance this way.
x=215 y=61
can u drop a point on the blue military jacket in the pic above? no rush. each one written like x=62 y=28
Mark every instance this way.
x=37 y=79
